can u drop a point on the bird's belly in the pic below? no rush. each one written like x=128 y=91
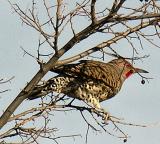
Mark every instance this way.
x=91 y=90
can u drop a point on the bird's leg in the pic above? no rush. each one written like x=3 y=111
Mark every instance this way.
x=94 y=103
x=105 y=115
x=101 y=113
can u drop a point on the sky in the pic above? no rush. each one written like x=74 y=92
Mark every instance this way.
x=135 y=102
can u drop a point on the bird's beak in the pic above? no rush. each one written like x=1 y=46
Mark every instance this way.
x=137 y=70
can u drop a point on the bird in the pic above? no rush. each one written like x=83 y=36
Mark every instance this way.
x=90 y=81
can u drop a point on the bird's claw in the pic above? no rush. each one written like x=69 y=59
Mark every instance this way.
x=106 y=117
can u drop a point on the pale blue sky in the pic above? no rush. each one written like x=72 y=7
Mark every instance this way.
x=135 y=103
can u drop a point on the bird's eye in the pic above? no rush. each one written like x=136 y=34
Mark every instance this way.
x=131 y=71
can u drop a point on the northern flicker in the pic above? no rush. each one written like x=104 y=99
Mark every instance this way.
x=88 y=80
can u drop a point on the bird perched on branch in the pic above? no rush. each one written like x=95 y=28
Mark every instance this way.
x=88 y=80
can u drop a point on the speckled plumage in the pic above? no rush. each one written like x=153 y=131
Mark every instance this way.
x=88 y=80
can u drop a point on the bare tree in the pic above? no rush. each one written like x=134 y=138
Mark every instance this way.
x=116 y=22
x=3 y=81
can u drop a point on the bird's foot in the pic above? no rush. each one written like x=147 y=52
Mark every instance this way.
x=106 y=117
x=101 y=112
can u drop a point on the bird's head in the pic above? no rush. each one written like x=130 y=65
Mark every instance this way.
x=126 y=69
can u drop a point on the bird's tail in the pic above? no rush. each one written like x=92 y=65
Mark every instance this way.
x=56 y=84
x=42 y=90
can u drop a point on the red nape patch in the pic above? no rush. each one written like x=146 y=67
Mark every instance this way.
x=129 y=73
